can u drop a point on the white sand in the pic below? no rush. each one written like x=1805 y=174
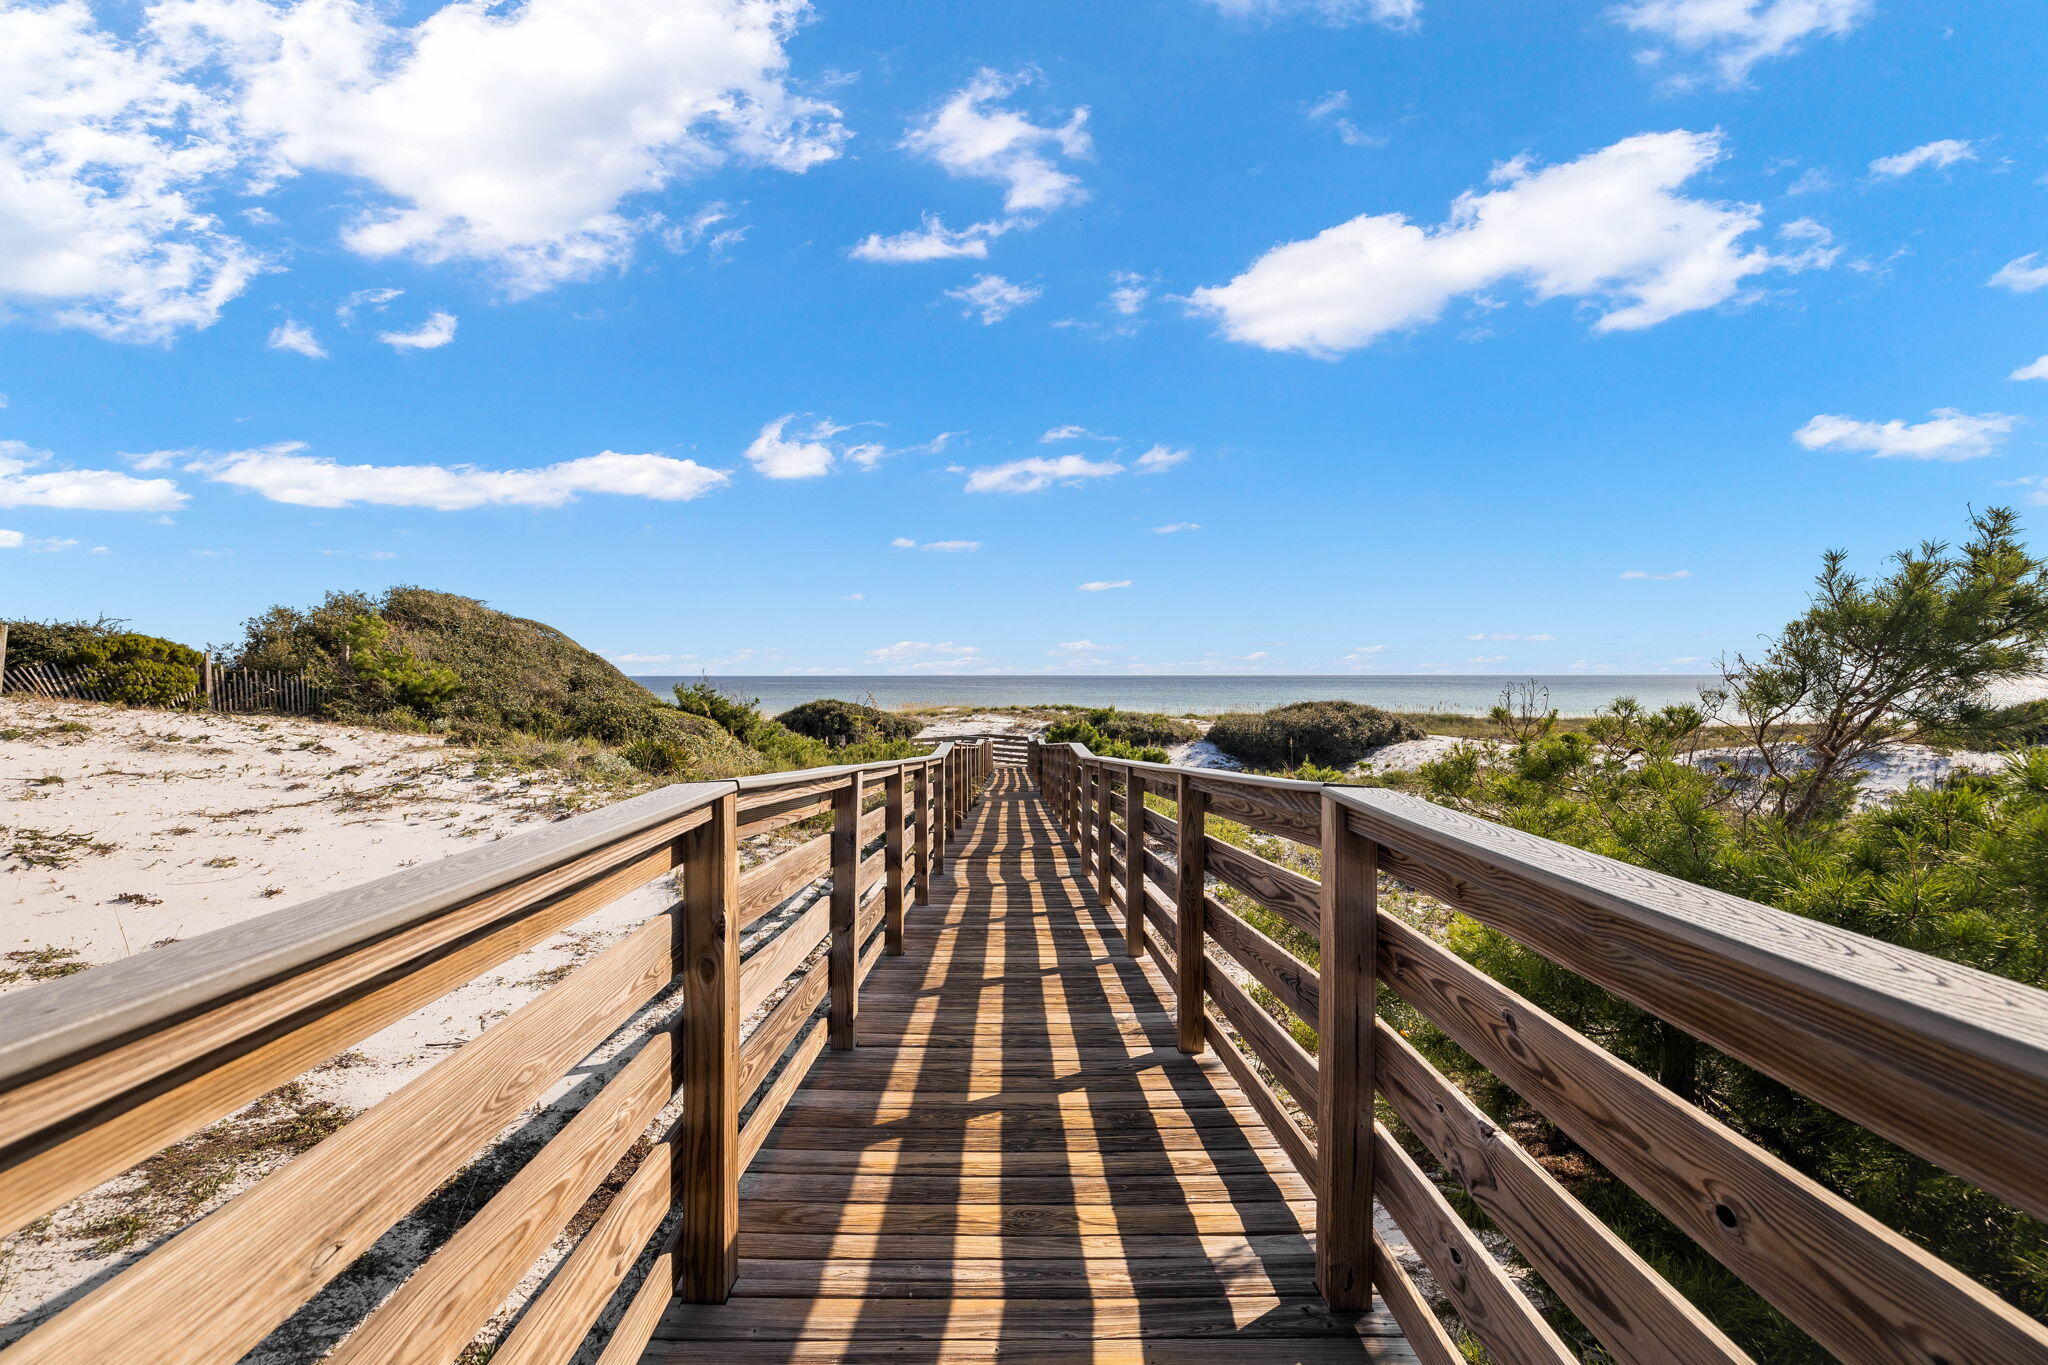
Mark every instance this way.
x=212 y=821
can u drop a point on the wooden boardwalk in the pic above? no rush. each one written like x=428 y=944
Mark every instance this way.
x=1016 y=1163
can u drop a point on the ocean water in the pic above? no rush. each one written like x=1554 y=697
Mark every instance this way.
x=1470 y=694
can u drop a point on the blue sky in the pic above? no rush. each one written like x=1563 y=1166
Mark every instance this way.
x=752 y=337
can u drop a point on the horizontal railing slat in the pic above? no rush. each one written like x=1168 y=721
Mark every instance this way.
x=1294 y=982
x=1286 y=893
x=1637 y=1315
x=1860 y=1289
x=437 y=1311
x=229 y=1279
x=1944 y=1060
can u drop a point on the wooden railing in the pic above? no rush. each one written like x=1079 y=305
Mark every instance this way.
x=1946 y=1061
x=99 y=1071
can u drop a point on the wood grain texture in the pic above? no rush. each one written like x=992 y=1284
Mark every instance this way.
x=230 y=1278
x=895 y=846
x=1289 y=1062
x=767 y=885
x=1857 y=1287
x=707 y=1074
x=1344 y=1062
x=1285 y=892
x=772 y=1036
x=765 y=969
x=1946 y=1061
x=1638 y=1317
x=434 y=1314
x=1133 y=899
x=1426 y=1335
x=1297 y=985
x=1486 y=1300
x=1292 y=810
x=1190 y=891
x=844 y=952
x=921 y=802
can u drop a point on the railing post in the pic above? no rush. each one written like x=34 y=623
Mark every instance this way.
x=893 y=862
x=1091 y=777
x=1134 y=863
x=921 y=801
x=1105 y=791
x=940 y=828
x=1344 y=1063
x=1192 y=854
x=706 y=1181
x=844 y=954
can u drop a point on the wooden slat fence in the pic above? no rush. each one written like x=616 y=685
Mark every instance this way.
x=101 y=1070
x=1946 y=1061
x=237 y=690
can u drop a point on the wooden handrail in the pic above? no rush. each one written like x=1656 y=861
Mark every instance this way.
x=1947 y=1061
x=100 y=1070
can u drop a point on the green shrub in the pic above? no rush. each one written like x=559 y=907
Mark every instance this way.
x=1330 y=734
x=839 y=723
x=740 y=719
x=138 y=670
x=1102 y=745
x=1142 y=727
x=659 y=757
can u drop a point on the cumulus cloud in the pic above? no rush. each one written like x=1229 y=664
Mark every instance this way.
x=2036 y=370
x=1610 y=228
x=799 y=457
x=1038 y=472
x=1175 y=527
x=107 y=153
x=994 y=297
x=954 y=547
x=437 y=331
x=1363 y=652
x=1511 y=635
x=284 y=473
x=78 y=490
x=41 y=545
x=1395 y=14
x=1159 y=459
x=932 y=240
x=1732 y=36
x=2021 y=276
x=1105 y=585
x=1656 y=577
x=291 y=335
x=973 y=137
x=512 y=136
x=1070 y=432
x=1949 y=434
x=1947 y=152
x=914 y=654
x=374 y=299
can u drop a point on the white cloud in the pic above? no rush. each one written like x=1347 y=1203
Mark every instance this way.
x=1159 y=459
x=1609 y=228
x=510 y=136
x=1055 y=435
x=438 y=330
x=1174 y=527
x=2021 y=276
x=1487 y=659
x=513 y=136
x=1363 y=652
x=1734 y=35
x=933 y=241
x=1330 y=110
x=1950 y=434
x=282 y=473
x=1656 y=577
x=854 y=597
x=1078 y=647
x=994 y=297
x=974 y=138
x=1038 y=472
x=49 y=545
x=1511 y=635
x=78 y=490
x=107 y=151
x=1947 y=152
x=2036 y=370
x=904 y=651
x=377 y=299
x=1105 y=584
x=631 y=658
x=869 y=454
x=292 y=335
x=361 y=554
x=1128 y=293
x=806 y=457
x=1396 y=14
x=954 y=547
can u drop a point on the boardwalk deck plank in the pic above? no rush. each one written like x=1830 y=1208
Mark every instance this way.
x=1016 y=1162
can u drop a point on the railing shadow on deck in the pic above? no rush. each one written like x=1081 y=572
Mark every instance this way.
x=102 y=1070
